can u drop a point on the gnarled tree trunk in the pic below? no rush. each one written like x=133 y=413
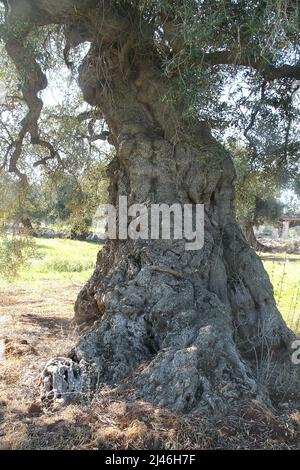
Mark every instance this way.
x=185 y=328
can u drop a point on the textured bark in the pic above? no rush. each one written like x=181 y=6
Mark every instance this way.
x=187 y=329
x=184 y=328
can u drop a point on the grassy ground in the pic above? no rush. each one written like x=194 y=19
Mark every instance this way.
x=61 y=259
x=72 y=262
x=37 y=308
x=284 y=272
x=36 y=319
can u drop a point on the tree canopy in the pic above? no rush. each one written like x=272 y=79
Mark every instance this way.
x=235 y=64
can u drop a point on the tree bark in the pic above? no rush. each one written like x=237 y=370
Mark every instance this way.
x=27 y=226
x=252 y=240
x=184 y=328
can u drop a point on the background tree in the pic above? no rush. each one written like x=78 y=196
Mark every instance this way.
x=256 y=196
x=16 y=247
x=69 y=201
x=187 y=328
x=64 y=185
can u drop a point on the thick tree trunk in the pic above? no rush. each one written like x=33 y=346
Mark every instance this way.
x=27 y=223
x=184 y=328
x=252 y=240
x=27 y=226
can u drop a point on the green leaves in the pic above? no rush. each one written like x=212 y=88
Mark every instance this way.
x=16 y=252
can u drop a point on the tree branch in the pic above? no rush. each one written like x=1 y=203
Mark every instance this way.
x=26 y=13
x=33 y=82
x=269 y=71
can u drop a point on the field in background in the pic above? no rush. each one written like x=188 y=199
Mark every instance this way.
x=284 y=272
x=67 y=264
x=61 y=259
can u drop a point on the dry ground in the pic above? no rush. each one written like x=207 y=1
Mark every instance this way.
x=41 y=315
x=36 y=324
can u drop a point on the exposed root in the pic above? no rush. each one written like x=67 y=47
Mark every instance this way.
x=64 y=380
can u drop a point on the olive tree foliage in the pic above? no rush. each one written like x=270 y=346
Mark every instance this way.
x=16 y=250
x=201 y=46
x=71 y=203
x=257 y=193
x=234 y=64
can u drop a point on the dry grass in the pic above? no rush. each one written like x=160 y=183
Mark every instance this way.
x=115 y=422
x=35 y=324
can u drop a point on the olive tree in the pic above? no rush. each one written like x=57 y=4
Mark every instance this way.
x=184 y=328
